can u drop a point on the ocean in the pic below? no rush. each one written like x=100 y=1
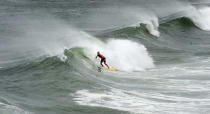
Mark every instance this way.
x=160 y=48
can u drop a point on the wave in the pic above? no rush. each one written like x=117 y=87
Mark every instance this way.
x=182 y=21
x=135 y=17
x=201 y=18
x=198 y=17
x=151 y=25
x=123 y=18
x=7 y=108
x=127 y=55
x=146 y=30
x=52 y=40
x=36 y=41
x=115 y=99
x=191 y=16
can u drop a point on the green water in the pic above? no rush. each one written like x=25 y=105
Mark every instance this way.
x=48 y=49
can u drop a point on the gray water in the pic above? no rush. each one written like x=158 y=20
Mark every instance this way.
x=159 y=47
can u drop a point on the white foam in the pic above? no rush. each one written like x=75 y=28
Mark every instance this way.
x=200 y=17
x=150 y=19
x=125 y=55
x=138 y=102
x=114 y=99
x=152 y=25
x=205 y=15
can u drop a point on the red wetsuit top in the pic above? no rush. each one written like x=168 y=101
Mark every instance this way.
x=101 y=56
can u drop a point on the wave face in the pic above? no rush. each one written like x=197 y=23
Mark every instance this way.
x=159 y=47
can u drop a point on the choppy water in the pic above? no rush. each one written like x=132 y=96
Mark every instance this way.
x=161 y=49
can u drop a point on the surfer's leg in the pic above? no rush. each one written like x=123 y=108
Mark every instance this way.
x=101 y=62
x=105 y=63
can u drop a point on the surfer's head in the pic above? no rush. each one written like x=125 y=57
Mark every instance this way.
x=98 y=52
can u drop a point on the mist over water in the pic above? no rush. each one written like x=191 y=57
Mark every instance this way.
x=160 y=49
x=127 y=55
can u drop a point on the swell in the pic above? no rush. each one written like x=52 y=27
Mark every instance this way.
x=46 y=81
x=192 y=17
x=183 y=21
x=168 y=31
x=49 y=62
x=9 y=108
x=139 y=34
x=142 y=30
x=179 y=38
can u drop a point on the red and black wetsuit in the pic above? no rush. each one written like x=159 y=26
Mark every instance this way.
x=103 y=59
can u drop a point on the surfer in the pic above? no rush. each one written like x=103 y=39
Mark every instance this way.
x=103 y=59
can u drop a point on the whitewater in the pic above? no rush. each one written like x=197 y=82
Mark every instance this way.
x=160 y=49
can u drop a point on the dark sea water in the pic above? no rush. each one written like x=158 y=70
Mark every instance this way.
x=161 y=49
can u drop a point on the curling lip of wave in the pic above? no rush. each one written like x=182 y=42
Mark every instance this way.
x=198 y=17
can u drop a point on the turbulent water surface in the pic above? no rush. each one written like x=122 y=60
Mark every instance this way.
x=161 y=49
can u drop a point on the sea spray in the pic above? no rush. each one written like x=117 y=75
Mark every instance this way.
x=204 y=18
x=124 y=17
x=200 y=17
x=125 y=55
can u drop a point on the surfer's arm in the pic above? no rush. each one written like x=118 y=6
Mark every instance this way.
x=96 y=56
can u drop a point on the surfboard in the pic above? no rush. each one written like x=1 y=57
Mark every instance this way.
x=110 y=68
